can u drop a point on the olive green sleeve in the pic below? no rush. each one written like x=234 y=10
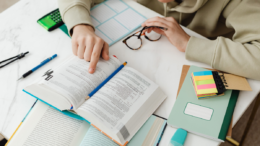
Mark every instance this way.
x=74 y=12
x=238 y=58
x=241 y=55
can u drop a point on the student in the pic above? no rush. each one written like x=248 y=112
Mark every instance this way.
x=233 y=27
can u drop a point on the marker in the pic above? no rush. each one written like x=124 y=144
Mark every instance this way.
x=37 y=67
x=106 y=80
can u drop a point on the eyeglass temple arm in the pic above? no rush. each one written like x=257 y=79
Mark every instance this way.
x=130 y=36
x=142 y=31
x=146 y=27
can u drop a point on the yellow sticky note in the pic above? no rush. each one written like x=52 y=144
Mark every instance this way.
x=207 y=91
x=200 y=78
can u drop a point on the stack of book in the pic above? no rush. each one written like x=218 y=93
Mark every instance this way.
x=119 y=112
x=212 y=117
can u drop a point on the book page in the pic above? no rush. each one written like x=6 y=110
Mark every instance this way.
x=95 y=138
x=118 y=100
x=46 y=126
x=74 y=82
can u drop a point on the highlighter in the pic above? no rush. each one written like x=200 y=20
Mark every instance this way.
x=178 y=138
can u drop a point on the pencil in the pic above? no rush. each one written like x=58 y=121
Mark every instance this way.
x=106 y=80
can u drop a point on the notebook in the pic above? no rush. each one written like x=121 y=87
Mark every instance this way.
x=119 y=108
x=113 y=20
x=209 y=118
x=46 y=126
x=184 y=72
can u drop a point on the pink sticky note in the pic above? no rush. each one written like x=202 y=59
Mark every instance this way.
x=206 y=86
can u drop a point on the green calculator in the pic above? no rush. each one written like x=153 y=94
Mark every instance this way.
x=51 y=21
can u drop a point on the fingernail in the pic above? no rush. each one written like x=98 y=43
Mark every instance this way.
x=90 y=70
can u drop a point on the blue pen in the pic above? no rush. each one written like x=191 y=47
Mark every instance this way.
x=37 y=67
x=106 y=80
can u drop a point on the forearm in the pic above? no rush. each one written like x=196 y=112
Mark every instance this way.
x=223 y=54
x=75 y=12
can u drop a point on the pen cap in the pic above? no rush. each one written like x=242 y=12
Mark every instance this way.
x=178 y=138
x=55 y=55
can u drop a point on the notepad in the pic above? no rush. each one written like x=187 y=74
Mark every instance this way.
x=113 y=20
x=204 y=84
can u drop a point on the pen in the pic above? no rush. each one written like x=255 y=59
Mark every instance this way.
x=37 y=67
x=106 y=80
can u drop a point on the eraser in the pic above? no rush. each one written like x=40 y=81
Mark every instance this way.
x=178 y=138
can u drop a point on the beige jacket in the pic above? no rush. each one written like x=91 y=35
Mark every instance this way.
x=233 y=27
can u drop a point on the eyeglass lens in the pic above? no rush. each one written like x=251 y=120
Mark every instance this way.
x=153 y=35
x=135 y=43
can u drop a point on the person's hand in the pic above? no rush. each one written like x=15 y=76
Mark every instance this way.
x=88 y=46
x=175 y=34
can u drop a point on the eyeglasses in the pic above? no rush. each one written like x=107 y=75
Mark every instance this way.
x=134 y=41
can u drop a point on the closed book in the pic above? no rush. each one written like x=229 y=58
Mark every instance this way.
x=209 y=118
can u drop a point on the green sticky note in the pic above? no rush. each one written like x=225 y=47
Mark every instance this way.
x=207 y=91
x=210 y=81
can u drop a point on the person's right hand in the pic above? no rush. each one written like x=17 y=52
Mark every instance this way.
x=88 y=46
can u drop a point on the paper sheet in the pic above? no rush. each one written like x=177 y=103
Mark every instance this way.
x=114 y=20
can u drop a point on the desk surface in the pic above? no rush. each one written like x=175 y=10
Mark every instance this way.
x=160 y=61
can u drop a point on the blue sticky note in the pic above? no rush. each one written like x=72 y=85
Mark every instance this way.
x=202 y=73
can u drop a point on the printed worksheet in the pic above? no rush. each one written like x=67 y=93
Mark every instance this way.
x=114 y=20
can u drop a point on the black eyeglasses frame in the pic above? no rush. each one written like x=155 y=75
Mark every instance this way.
x=141 y=34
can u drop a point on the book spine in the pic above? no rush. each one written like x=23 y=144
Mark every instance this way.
x=161 y=134
x=228 y=117
x=20 y=124
x=14 y=133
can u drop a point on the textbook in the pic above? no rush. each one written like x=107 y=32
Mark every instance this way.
x=46 y=126
x=208 y=118
x=118 y=108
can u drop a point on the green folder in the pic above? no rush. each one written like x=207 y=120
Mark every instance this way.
x=209 y=118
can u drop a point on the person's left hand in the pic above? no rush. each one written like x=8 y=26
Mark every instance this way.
x=175 y=34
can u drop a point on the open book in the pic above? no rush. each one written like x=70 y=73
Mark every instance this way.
x=118 y=109
x=45 y=126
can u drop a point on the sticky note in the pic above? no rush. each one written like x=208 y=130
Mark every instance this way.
x=210 y=81
x=200 y=78
x=207 y=91
x=204 y=84
x=202 y=73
